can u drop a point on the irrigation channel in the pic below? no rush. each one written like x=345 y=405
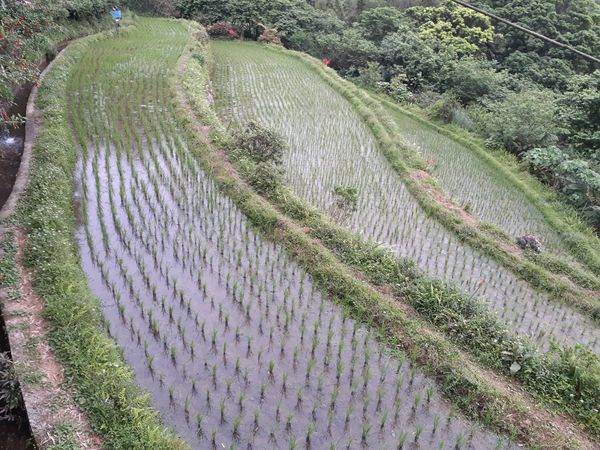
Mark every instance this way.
x=330 y=146
x=228 y=335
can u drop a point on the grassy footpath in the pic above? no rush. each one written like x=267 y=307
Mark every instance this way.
x=106 y=391
x=578 y=236
x=572 y=290
x=463 y=383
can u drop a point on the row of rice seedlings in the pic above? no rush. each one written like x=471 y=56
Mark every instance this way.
x=271 y=364
x=228 y=335
x=472 y=183
x=330 y=146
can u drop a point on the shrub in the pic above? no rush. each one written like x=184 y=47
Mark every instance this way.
x=444 y=109
x=522 y=121
x=346 y=197
x=262 y=144
x=370 y=75
x=269 y=36
x=222 y=30
x=473 y=79
x=266 y=178
x=156 y=7
x=398 y=89
x=349 y=49
x=573 y=178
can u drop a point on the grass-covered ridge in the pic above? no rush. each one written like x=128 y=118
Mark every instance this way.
x=339 y=151
x=117 y=410
x=391 y=320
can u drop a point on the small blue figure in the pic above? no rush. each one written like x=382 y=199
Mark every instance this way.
x=116 y=14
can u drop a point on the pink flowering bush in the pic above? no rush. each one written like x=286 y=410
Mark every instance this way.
x=222 y=30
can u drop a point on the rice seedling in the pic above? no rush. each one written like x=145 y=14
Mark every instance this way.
x=225 y=319
x=341 y=151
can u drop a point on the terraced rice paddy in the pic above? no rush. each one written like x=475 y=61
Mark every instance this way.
x=228 y=335
x=330 y=146
x=473 y=188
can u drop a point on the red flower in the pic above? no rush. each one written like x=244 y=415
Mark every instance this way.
x=1 y=36
x=5 y=116
x=17 y=42
x=430 y=162
x=327 y=61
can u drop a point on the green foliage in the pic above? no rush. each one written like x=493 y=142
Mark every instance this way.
x=348 y=49
x=265 y=177
x=11 y=400
x=347 y=197
x=464 y=319
x=574 y=178
x=462 y=30
x=370 y=75
x=576 y=22
x=106 y=391
x=520 y=122
x=262 y=144
x=445 y=108
x=165 y=8
x=398 y=89
x=579 y=115
x=421 y=63
x=473 y=80
x=28 y=32
x=421 y=51
x=376 y=23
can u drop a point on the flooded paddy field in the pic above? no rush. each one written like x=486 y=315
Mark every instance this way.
x=230 y=337
x=330 y=147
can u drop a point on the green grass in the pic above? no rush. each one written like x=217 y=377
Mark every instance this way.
x=393 y=325
x=148 y=189
x=105 y=388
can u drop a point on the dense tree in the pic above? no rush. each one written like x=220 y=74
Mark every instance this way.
x=463 y=30
x=205 y=11
x=576 y=22
x=348 y=49
x=521 y=121
x=376 y=23
x=575 y=178
x=420 y=61
x=474 y=79
x=25 y=30
x=579 y=113
x=154 y=7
